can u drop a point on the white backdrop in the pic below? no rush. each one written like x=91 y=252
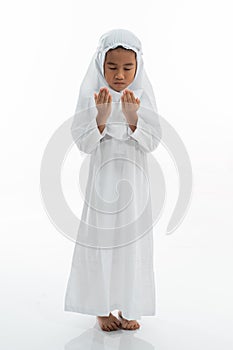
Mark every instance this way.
x=46 y=47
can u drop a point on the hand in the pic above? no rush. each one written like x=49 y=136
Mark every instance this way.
x=130 y=105
x=103 y=102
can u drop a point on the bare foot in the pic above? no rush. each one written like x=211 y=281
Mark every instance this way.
x=128 y=324
x=109 y=323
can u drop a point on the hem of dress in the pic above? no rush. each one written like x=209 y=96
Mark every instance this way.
x=94 y=313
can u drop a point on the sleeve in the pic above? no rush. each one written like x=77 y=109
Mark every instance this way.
x=87 y=138
x=148 y=132
x=85 y=131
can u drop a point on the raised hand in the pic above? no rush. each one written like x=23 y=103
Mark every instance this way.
x=130 y=105
x=103 y=102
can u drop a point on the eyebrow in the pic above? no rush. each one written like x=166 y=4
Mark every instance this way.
x=126 y=64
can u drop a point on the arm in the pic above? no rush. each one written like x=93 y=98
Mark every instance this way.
x=143 y=121
x=147 y=133
x=88 y=128
x=88 y=135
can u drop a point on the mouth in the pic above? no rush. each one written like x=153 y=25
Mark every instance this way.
x=119 y=83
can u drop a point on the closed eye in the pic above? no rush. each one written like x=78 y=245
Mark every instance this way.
x=124 y=68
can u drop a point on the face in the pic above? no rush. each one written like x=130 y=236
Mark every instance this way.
x=120 y=68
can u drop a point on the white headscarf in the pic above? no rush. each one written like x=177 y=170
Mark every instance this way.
x=85 y=113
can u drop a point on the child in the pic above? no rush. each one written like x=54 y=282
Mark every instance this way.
x=117 y=123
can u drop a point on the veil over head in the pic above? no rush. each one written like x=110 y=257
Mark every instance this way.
x=85 y=112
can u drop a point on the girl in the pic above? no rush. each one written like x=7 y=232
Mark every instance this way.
x=117 y=123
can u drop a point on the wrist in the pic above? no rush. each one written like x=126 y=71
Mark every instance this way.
x=132 y=119
x=132 y=127
x=101 y=120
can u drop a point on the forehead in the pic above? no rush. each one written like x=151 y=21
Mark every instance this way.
x=120 y=55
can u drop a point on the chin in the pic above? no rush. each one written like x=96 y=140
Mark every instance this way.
x=118 y=88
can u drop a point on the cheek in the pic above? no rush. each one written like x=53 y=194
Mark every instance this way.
x=132 y=75
x=108 y=75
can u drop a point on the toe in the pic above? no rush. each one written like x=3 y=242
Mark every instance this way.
x=125 y=324
x=118 y=323
x=114 y=326
x=107 y=328
x=110 y=326
x=128 y=325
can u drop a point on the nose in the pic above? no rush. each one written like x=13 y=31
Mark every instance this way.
x=119 y=75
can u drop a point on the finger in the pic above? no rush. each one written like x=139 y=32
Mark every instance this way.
x=106 y=96
x=109 y=98
x=123 y=99
x=132 y=97
x=125 y=96
x=100 y=92
x=105 y=90
x=102 y=96
x=128 y=97
x=98 y=96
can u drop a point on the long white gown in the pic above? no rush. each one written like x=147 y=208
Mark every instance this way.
x=112 y=264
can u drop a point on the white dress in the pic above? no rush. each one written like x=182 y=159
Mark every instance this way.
x=112 y=264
